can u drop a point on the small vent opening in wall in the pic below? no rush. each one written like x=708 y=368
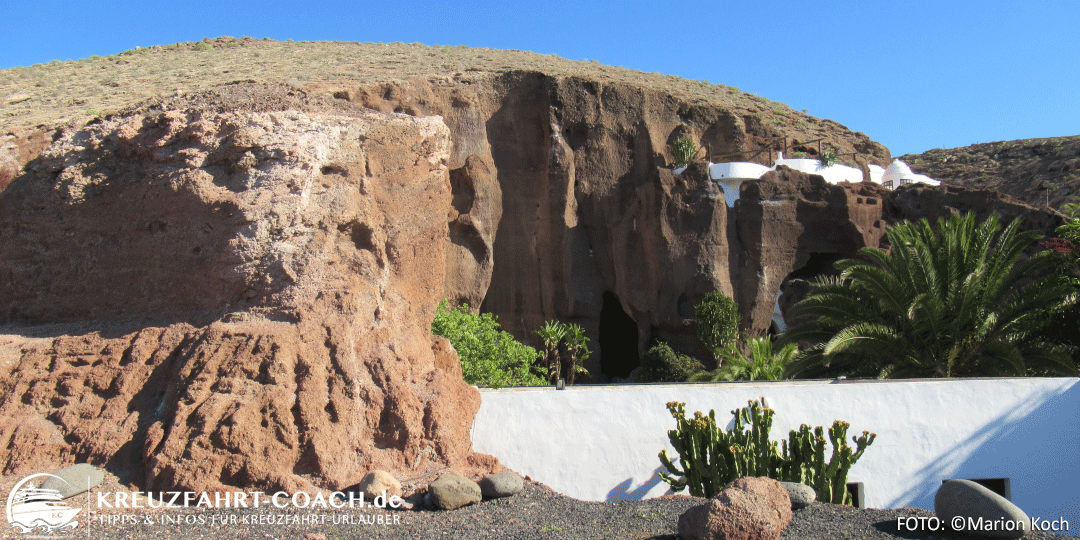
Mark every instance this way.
x=858 y=494
x=1001 y=486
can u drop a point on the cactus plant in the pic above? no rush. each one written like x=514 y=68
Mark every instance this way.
x=683 y=150
x=828 y=157
x=710 y=458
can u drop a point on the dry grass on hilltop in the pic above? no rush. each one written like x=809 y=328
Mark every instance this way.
x=58 y=92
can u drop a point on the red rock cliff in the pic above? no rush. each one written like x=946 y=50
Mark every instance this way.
x=284 y=259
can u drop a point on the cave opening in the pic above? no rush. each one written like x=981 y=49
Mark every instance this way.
x=618 y=339
x=819 y=264
x=798 y=284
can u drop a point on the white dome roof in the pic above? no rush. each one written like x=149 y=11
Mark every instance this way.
x=897 y=171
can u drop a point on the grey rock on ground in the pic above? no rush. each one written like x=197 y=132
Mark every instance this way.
x=968 y=499
x=453 y=491
x=801 y=495
x=75 y=479
x=504 y=484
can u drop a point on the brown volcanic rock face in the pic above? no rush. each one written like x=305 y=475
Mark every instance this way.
x=474 y=219
x=588 y=223
x=789 y=218
x=665 y=249
x=18 y=148
x=558 y=210
x=547 y=157
x=920 y=201
x=293 y=256
x=590 y=226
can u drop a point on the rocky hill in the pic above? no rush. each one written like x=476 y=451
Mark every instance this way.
x=1040 y=172
x=219 y=261
x=34 y=100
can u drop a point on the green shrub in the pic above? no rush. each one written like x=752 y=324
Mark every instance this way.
x=662 y=364
x=718 y=323
x=489 y=356
x=683 y=151
x=710 y=458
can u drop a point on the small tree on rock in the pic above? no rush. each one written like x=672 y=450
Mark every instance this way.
x=718 y=324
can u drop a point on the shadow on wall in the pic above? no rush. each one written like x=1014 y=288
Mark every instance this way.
x=990 y=453
x=622 y=492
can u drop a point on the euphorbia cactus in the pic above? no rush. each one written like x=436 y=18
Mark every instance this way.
x=711 y=458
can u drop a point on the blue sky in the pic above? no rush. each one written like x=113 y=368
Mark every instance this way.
x=911 y=75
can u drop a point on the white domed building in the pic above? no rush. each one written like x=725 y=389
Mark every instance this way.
x=730 y=176
x=899 y=174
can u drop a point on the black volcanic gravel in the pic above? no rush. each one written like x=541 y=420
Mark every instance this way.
x=535 y=513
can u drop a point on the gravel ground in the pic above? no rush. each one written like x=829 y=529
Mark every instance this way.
x=535 y=513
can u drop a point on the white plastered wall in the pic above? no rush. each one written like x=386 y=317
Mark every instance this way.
x=600 y=443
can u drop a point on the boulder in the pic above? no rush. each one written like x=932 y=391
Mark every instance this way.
x=452 y=491
x=73 y=480
x=801 y=495
x=504 y=484
x=746 y=509
x=377 y=482
x=968 y=499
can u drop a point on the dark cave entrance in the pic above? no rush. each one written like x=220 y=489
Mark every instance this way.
x=618 y=339
x=819 y=264
x=798 y=284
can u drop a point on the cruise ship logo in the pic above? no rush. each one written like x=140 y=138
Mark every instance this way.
x=36 y=510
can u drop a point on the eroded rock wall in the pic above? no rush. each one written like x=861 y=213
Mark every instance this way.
x=586 y=213
x=286 y=259
x=560 y=209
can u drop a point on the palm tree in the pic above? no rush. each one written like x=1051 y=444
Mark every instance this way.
x=552 y=333
x=762 y=365
x=572 y=338
x=961 y=301
x=579 y=352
